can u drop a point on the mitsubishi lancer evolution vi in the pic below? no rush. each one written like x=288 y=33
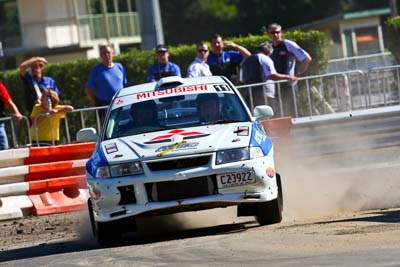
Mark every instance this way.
x=180 y=144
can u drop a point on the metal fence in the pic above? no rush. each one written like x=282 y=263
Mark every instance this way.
x=364 y=62
x=337 y=92
x=20 y=134
x=313 y=95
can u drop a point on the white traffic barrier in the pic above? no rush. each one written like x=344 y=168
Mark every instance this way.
x=15 y=174
x=14 y=189
x=14 y=207
x=13 y=157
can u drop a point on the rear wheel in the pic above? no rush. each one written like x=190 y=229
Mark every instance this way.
x=271 y=212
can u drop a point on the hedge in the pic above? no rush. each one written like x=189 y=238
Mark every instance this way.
x=71 y=76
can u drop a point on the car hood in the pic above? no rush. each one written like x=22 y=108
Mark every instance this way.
x=177 y=142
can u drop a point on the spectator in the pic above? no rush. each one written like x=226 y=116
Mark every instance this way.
x=208 y=107
x=105 y=79
x=48 y=114
x=267 y=73
x=35 y=82
x=285 y=55
x=6 y=103
x=199 y=66
x=163 y=67
x=225 y=62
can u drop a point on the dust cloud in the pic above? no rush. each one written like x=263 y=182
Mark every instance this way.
x=313 y=186
x=347 y=181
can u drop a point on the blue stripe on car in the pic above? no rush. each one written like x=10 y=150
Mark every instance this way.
x=97 y=160
x=261 y=139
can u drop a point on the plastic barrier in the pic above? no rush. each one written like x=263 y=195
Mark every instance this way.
x=13 y=157
x=14 y=189
x=55 y=169
x=59 y=201
x=13 y=174
x=56 y=184
x=59 y=153
x=14 y=207
x=43 y=180
x=278 y=127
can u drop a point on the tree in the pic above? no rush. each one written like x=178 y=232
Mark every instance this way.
x=188 y=21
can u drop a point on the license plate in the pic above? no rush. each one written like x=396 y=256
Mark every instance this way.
x=235 y=179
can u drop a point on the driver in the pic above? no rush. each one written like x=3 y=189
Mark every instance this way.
x=144 y=113
x=209 y=107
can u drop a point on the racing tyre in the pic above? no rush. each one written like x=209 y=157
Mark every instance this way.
x=106 y=233
x=271 y=212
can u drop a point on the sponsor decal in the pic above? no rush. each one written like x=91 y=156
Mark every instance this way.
x=119 y=101
x=177 y=132
x=221 y=87
x=111 y=148
x=172 y=91
x=183 y=145
x=259 y=137
x=242 y=131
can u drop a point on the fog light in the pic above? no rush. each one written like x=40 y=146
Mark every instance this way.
x=95 y=194
x=270 y=172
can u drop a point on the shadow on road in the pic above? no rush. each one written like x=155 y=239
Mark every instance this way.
x=84 y=244
x=381 y=216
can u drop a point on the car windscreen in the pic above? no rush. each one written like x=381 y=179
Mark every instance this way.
x=188 y=110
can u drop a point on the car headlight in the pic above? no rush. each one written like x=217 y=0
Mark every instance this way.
x=232 y=155
x=238 y=154
x=102 y=172
x=117 y=170
x=124 y=169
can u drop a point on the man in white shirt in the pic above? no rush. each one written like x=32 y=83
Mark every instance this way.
x=199 y=66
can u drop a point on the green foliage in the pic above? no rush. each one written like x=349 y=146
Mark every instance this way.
x=393 y=24
x=71 y=76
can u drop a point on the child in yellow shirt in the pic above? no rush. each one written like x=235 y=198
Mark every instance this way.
x=46 y=117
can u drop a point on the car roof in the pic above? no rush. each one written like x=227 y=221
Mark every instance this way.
x=172 y=81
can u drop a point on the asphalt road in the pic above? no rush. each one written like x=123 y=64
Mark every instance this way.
x=368 y=238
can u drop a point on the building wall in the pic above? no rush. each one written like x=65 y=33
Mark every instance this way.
x=47 y=23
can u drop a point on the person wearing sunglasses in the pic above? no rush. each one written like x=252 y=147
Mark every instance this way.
x=285 y=55
x=163 y=67
x=35 y=82
x=199 y=66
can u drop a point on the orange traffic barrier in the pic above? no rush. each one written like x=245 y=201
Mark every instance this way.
x=59 y=201
x=55 y=169
x=56 y=184
x=59 y=153
x=278 y=127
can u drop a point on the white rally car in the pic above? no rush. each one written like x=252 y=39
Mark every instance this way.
x=162 y=150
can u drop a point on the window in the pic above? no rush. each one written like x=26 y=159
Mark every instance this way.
x=9 y=23
x=367 y=40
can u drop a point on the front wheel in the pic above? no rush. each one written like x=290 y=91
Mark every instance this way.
x=106 y=233
x=271 y=212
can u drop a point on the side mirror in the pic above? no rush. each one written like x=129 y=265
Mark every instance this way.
x=263 y=112
x=87 y=135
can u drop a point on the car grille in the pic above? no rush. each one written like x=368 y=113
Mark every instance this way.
x=178 y=163
x=176 y=190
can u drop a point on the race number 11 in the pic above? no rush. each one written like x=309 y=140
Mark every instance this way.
x=221 y=87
